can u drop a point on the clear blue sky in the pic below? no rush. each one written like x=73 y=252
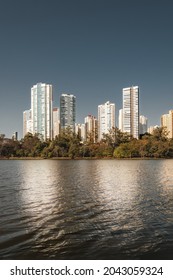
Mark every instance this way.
x=90 y=48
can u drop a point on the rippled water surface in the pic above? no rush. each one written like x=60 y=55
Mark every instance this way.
x=86 y=209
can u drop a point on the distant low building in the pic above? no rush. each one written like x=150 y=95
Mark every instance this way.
x=27 y=122
x=152 y=128
x=91 y=128
x=80 y=131
x=2 y=136
x=15 y=136
x=143 y=124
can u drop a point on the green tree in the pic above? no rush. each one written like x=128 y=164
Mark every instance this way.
x=31 y=145
x=160 y=134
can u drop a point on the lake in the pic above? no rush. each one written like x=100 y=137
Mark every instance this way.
x=86 y=209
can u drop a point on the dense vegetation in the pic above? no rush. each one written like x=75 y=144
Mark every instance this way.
x=68 y=145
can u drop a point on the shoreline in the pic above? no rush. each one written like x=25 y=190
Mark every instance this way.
x=82 y=158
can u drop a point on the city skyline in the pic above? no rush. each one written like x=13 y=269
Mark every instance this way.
x=91 y=50
x=57 y=122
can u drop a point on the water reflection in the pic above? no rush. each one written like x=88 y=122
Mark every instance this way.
x=85 y=209
x=37 y=188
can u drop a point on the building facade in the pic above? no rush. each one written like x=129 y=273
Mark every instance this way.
x=143 y=124
x=91 y=129
x=80 y=131
x=120 y=120
x=131 y=111
x=15 y=136
x=167 y=121
x=67 y=111
x=106 y=118
x=41 y=110
x=56 y=122
x=27 y=122
x=151 y=129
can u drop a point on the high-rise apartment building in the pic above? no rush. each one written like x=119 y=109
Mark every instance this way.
x=131 y=111
x=27 y=122
x=91 y=128
x=80 y=131
x=67 y=111
x=56 y=122
x=41 y=110
x=106 y=118
x=120 y=120
x=167 y=121
x=143 y=124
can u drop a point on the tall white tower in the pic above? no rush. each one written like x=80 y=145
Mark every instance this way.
x=106 y=118
x=131 y=111
x=41 y=110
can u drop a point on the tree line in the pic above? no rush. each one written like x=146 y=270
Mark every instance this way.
x=67 y=144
